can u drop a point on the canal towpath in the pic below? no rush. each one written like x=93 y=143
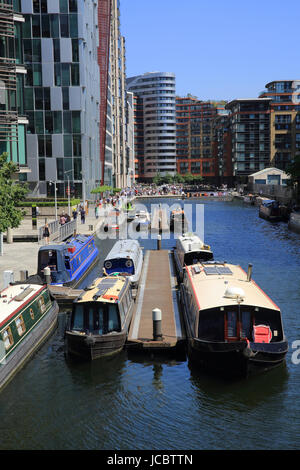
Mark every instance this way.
x=23 y=254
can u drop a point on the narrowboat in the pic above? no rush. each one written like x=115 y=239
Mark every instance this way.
x=294 y=221
x=70 y=261
x=232 y=326
x=189 y=250
x=28 y=316
x=126 y=258
x=270 y=210
x=178 y=221
x=100 y=318
x=114 y=222
x=142 y=220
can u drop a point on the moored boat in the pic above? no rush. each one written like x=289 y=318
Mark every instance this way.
x=178 y=221
x=294 y=221
x=69 y=262
x=100 y=318
x=28 y=316
x=126 y=258
x=142 y=220
x=189 y=250
x=232 y=326
x=270 y=210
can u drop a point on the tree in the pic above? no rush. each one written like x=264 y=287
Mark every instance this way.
x=11 y=194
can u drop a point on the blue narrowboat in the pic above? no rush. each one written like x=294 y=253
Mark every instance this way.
x=69 y=262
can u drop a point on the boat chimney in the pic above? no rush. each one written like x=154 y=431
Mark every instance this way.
x=249 y=274
x=47 y=274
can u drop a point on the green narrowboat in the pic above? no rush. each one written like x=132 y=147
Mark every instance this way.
x=27 y=317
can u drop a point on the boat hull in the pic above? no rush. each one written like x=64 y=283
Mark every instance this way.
x=294 y=222
x=266 y=213
x=29 y=345
x=236 y=359
x=94 y=346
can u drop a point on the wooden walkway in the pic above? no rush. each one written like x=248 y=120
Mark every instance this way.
x=159 y=221
x=157 y=289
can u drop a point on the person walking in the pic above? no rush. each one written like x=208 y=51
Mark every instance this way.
x=82 y=215
x=46 y=234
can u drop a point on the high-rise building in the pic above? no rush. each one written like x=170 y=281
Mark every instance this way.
x=194 y=131
x=62 y=95
x=155 y=133
x=250 y=133
x=130 y=140
x=12 y=72
x=222 y=147
x=284 y=121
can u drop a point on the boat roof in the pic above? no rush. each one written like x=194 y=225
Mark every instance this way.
x=106 y=289
x=124 y=248
x=76 y=241
x=190 y=242
x=221 y=284
x=14 y=296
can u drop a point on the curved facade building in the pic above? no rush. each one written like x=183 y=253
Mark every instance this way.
x=156 y=119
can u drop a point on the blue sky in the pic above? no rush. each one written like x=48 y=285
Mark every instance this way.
x=218 y=49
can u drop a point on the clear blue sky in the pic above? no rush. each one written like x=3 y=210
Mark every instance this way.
x=218 y=49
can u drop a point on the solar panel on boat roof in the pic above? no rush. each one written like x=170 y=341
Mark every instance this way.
x=224 y=270
x=209 y=270
x=105 y=284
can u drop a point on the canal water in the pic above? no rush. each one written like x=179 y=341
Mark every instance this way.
x=138 y=403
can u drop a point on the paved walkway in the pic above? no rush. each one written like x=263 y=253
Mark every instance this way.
x=22 y=255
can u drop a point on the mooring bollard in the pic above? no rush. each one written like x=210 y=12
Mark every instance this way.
x=8 y=277
x=156 y=317
x=47 y=274
x=158 y=242
x=23 y=275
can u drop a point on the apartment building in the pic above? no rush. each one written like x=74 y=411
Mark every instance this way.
x=249 y=124
x=284 y=121
x=13 y=120
x=222 y=147
x=155 y=117
x=194 y=133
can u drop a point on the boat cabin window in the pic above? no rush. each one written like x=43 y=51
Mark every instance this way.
x=67 y=262
x=194 y=257
x=20 y=325
x=97 y=318
x=7 y=338
x=48 y=258
x=226 y=324
x=121 y=265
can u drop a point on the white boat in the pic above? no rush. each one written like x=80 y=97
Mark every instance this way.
x=142 y=220
x=126 y=258
x=189 y=250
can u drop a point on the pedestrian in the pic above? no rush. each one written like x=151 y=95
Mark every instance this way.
x=82 y=215
x=46 y=234
x=62 y=219
x=74 y=213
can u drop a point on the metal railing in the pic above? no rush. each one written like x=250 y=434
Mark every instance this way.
x=67 y=230
x=53 y=229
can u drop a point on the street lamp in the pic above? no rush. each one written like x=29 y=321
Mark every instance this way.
x=69 y=203
x=55 y=196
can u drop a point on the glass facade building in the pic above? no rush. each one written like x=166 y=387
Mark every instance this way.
x=62 y=95
x=12 y=73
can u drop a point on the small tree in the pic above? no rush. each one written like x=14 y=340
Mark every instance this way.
x=11 y=194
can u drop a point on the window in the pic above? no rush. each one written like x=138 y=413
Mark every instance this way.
x=231 y=322
x=7 y=338
x=31 y=314
x=42 y=305
x=20 y=325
